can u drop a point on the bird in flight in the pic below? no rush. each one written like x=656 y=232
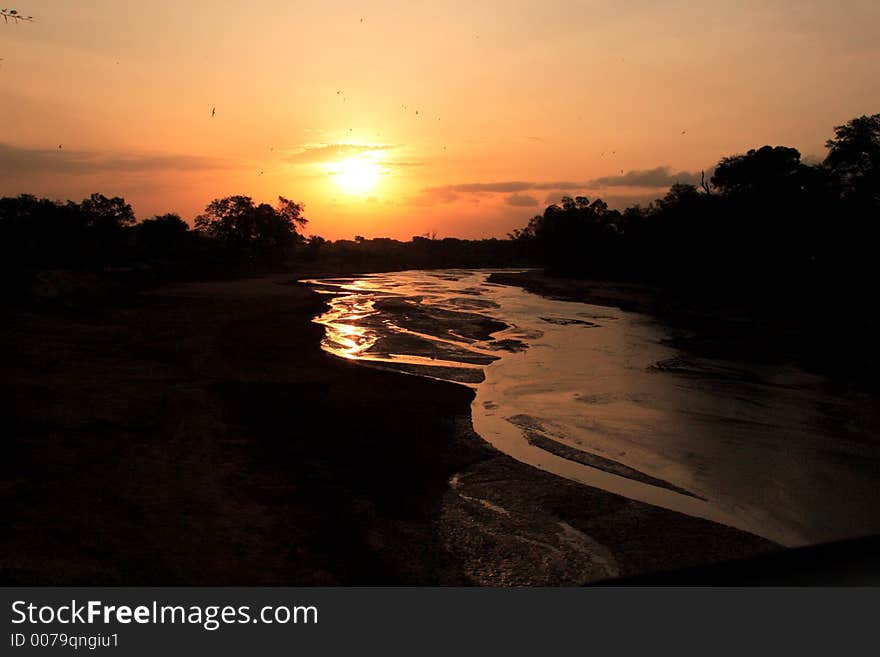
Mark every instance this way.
x=14 y=15
x=59 y=147
x=684 y=132
x=213 y=112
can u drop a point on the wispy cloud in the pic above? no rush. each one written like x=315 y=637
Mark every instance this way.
x=521 y=200
x=400 y=164
x=17 y=161
x=481 y=188
x=313 y=153
x=505 y=187
x=658 y=178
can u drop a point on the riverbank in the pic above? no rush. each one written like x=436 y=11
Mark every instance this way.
x=814 y=338
x=197 y=434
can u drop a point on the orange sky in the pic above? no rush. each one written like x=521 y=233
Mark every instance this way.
x=518 y=102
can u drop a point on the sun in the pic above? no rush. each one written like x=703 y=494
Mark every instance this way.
x=357 y=175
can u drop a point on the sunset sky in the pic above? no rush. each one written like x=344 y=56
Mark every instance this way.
x=399 y=118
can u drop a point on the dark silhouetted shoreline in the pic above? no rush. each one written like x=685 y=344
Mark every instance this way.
x=197 y=434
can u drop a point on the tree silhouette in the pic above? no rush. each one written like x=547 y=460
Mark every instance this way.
x=161 y=234
x=256 y=231
x=767 y=226
x=854 y=159
x=104 y=213
x=765 y=171
x=576 y=236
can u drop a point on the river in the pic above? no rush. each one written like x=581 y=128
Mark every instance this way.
x=597 y=395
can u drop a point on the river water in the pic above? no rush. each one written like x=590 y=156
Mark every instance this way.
x=595 y=394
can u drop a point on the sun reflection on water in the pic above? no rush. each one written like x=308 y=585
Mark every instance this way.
x=355 y=329
x=349 y=341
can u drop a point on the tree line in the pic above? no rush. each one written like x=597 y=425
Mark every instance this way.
x=101 y=233
x=233 y=236
x=764 y=221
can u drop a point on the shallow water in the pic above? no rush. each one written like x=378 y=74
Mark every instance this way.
x=594 y=394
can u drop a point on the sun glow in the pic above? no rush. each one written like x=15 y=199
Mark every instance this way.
x=357 y=175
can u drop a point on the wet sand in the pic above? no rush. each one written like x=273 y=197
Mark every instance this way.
x=197 y=434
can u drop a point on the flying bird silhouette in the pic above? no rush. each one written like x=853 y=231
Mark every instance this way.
x=213 y=112
x=14 y=15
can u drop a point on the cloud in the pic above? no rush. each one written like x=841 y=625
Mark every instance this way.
x=521 y=200
x=562 y=185
x=451 y=193
x=504 y=187
x=657 y=177
x=554 y=197
x=390 y=164
x=19 y=161
x=480 y=188
x=433 y=196
x=323 y=152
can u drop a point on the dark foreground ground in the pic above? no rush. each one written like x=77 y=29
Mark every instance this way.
x=198 y=435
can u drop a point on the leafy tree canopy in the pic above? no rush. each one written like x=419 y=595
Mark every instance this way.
x=765 y=170
x=854 y=158
x=239 y=222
